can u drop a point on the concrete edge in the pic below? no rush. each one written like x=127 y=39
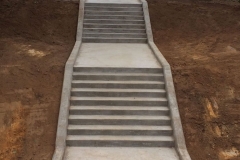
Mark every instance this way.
x=176 y=120
x=61 y=135
x=80 y=20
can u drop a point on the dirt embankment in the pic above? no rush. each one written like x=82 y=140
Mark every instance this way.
x=36 y=39
x=201 y=41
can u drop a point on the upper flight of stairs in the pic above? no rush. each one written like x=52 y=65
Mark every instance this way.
x=119 y=107
x=113 y=23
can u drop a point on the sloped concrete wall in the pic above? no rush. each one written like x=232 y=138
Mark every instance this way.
x=65 y=97
x=180 y=144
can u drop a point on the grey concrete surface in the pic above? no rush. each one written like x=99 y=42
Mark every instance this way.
x=119 y=99
x=93 y=22
x=116 y=55
x=108 y=153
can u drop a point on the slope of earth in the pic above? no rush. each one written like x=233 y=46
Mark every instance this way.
x=36 y=39
x=201 y=41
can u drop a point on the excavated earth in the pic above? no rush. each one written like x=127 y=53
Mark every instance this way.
x=200 y=39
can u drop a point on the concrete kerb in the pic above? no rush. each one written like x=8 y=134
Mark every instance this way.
x=176 y=120
x=64 y=106
x=66 y=89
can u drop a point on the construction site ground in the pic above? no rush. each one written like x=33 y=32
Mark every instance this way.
x=200 y=40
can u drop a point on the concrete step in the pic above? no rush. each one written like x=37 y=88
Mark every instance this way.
x=117 y=70
x=112 y=21
x=110 y=92
x=119 y=110
x=105 y=8
x=113 y=30
x=118 y=76
x=120 y=141
x=114 y=35
x=118 y=84
x=112 y=26
x=118 y=101
x=114 y=17
x=119 y=130
x=114 y=40
x=97 y=12
x=111 y=5
x=119 y=120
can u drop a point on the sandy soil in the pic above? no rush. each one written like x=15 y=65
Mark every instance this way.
x=201 y=41
x=36 y=39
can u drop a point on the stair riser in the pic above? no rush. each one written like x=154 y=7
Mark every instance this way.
x=94 y=40
x=94 y=13
x=115 y=35
x=122 y=86
x=113 y=21
x=114 y=17
x=96 y=31
x=117 y=78
x=118 y=70
x=119 y=26
x=119 y=112
x=121 y=132
x=117 y=94
x=117 y=103
x=114 y=9
x=111 y=5
x=118 y=122
x=95 y=143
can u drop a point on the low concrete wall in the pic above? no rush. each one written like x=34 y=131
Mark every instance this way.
x=66 y=91
x=172 y=101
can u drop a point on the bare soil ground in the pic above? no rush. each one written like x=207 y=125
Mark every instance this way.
x=36 y=39
x=201 y=41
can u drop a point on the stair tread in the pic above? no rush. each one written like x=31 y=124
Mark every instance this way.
x=103 y=24
x=116 y=90
x=120 y=138
x=117 y=82
x=118 y=127
x=117 y=74
x=143 y=34
x=128 y=108
x=88 y=10
x=118 y=98
x=117 y=117
x=111 y=38
x=115 y=20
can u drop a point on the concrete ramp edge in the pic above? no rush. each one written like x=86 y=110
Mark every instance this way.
x=61 y=136
x=176 y=120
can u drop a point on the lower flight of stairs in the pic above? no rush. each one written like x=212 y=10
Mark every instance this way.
x=119 y=107
x=113 y=23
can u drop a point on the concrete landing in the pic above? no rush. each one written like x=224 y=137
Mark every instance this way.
x=116 y=55
x=105 y=153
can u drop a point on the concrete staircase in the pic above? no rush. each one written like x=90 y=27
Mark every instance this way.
x=114 y=23
x=118 y=99
x=119 y=107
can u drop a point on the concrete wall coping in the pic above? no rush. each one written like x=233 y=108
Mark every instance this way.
x=176 y=120
x=66 y=90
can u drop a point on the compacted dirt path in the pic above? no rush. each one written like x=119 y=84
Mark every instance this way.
x=201 y=41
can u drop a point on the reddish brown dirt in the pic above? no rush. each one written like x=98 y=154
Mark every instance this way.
x=201 y=41
x=36 y=39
